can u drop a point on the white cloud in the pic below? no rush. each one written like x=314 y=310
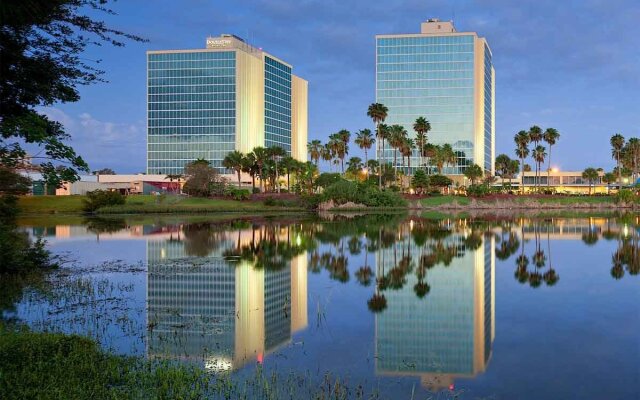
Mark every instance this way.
x=117 y=145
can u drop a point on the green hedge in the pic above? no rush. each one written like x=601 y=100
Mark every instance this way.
x=361 y=193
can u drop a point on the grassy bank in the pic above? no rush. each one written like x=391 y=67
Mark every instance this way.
x=57 y=366
x=509 y=202
x=40 y=205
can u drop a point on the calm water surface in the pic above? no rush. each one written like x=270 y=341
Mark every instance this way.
x=407 y=306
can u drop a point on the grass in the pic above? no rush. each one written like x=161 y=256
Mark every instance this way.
x=143 y=204
x=57 y=366
x=436 y=201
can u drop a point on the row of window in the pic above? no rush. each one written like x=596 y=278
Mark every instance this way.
x=422 y=49
x=428 y=74
x=280 y=67
x=181 y=81
x=182 y=114
x=191 y=64
x=192 y=105
x=190 y=72
x=424 y=40
x=179 y=122
x=560 y=180
x=423 y=66
x=182 y=147
x=424 y=92
x=191 y=89
x=192 y=133
x=425 y=58
x=426 y=84
x=190 y=97
x=276 y=93
x=434 y=102
x=192 y=56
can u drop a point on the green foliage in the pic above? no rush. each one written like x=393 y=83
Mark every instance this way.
x=42 y=64
x=102 y=198
x=361 y=193
x=478 y=190
x=473 y=172
x=12 y=182
x=327 y=179
x=626 y=196
x=237 y=194
x=203 y=180
x=420 y=181
x=17 y=252
x=439 y=180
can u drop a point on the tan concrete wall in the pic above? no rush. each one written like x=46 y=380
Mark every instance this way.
x=249 y=101
x=299 y=118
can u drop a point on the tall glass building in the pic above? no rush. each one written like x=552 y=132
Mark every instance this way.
x=205 y=103
x=447 y=77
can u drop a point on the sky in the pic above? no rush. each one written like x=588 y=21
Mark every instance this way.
x=569 y=64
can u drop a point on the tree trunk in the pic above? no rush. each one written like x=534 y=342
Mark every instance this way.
x=379 y=156
x=549 y=168
x=238 y=171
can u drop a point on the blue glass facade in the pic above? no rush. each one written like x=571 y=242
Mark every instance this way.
x=277 y=104
x=488 y=107
x=191 y=109
x=433 y=77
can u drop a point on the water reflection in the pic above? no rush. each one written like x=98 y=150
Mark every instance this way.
x=242 y=298
x=230 y=294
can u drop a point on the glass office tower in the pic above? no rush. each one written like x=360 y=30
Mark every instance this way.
x=205 y=103
x=447 y=77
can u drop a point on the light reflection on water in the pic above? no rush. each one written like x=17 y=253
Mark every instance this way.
x=394 y=301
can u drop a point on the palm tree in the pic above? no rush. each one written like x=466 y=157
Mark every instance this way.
x=354 y=165
x=617 y=144
x=397 y=135
x=591 y=175
x=473 y=172
x=233 y=161
x=378 y=113
x=261 y=155
x=551 y=136
x=535 y=136
x=338 y=147
x=276 y=152
x=539 y=154
x=609 y=178
x=522 y=140
x=503 y=163
x=406 y=149
x=364 y=140
x=442 y=155
x=514 y=167
x=422 y=127
x=344 y=136
x=314 y=148
x=326 y=154
x=289 y=165
x=250 y=167
x=631 y=157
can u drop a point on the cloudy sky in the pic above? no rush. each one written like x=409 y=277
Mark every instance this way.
x=569 y=64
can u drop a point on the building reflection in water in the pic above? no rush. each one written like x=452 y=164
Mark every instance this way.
x=447 y=334
x=217 y=307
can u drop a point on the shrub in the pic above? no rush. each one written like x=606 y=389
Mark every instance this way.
x=345 y=191
x=237 y=194
x=478 y=190
x=627 y=196
x=327 y=179
x=255 y=190
x=270 y=201
x=101 y=198
x=439 y=180
x=420 y=181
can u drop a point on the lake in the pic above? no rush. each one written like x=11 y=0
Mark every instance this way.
x=401 y=306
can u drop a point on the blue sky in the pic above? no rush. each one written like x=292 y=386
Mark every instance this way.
x=569 y=64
